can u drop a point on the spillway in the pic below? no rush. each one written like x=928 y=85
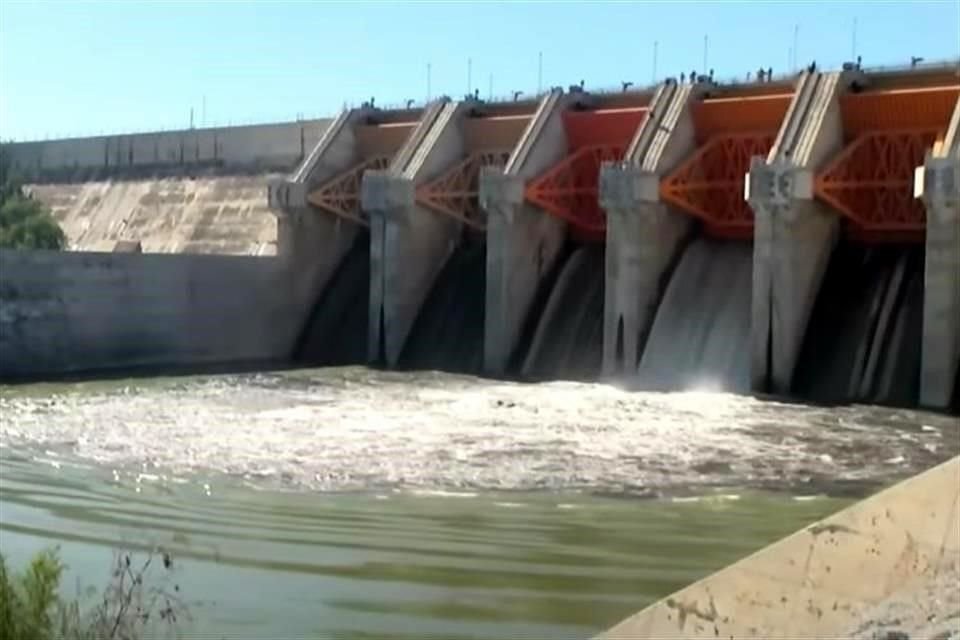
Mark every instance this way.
x=700 y=336
x=863 y=340
x=568 y=343
x=448 y=332
x=336 y=332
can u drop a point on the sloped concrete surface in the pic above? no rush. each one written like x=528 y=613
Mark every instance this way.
x=840 y=577
x=207 y=214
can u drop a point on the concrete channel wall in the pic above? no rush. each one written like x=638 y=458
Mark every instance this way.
x=825 y=580
x=63 y=312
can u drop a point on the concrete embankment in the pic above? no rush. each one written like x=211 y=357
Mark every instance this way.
x=190 y=191
x=175 y=214
x=840 y=577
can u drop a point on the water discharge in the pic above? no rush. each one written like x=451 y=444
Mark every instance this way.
x=863 y=341
x=568 y=344
x=336 y=331
x=700 y=338
x=448 y=332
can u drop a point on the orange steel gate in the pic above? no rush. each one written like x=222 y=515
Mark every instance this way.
x=710 y=184
x=569 y=190
x=871 y=181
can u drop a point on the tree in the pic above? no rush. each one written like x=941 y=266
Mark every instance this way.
x=25 y=223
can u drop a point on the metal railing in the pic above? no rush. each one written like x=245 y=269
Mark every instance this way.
x=420 y=103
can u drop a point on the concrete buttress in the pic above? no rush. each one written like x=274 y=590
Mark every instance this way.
x=643 y=233
x=409 y=243
x=310 y=242
x=938 y=184
x=522 y=242
x=794 y=234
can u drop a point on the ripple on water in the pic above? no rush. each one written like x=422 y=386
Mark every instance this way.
x=353 y=429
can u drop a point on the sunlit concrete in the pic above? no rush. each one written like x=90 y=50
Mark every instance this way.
x=794 y=234
x=816 y=582
x=409 y=242
x=311 y=243
x=643 y=233
x=523 y=242
x=938 y=183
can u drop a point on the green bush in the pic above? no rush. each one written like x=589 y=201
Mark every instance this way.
x=25 y=223
x=29 y=601
x=31 y=607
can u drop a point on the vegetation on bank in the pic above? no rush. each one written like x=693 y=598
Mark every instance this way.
x=134 y=601
x=25 y=223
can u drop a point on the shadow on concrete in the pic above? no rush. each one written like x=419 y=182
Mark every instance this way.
x=863 y=340
x=448 y=332
x=335 y=334
x=570 y=345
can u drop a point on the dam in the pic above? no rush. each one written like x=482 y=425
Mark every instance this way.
x=797 y=237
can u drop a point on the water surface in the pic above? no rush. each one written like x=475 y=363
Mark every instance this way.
x=353 y=504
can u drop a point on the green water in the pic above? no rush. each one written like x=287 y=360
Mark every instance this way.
x=255 y=564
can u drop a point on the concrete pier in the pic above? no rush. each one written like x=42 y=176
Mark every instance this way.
x=938 y=184
x=522 y=242
x=409 y=242
x=643 y=233
x=310 y=242
x=794 y=234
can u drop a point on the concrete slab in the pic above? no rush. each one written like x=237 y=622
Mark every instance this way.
x=818 y=582
x=523 y=242
x=794 y=234
x=938 y=184
x=409 y=243
x=643 y=233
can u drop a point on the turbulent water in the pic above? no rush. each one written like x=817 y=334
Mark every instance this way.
x=863 y=342
x=347 y=503
x=336 y=331
x=350 y=429
x=448 y=332
x=569 y=343
x=701 y=333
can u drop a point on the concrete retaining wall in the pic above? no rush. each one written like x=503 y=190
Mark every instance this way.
x=70 y=312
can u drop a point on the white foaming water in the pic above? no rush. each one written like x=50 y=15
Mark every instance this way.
x=353 y=429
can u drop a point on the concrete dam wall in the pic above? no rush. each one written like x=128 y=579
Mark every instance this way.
x=189 y=191
x=736 y=237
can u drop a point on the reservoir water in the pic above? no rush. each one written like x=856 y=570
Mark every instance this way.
x=348 y=503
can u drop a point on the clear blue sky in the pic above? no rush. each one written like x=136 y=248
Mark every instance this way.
x=80 y=68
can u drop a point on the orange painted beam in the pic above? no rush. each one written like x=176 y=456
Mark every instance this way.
x=919 y=109
x=602 y=127
x=709 y=184
x=570 y=189
x=456 y=192
x=871 y=184
x=734 y=115
x=341 y=194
